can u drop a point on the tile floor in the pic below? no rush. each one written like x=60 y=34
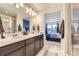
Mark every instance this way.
x=50 y=49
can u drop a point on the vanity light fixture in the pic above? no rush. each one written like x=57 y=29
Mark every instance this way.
x=27 y=10
x=31 y=12
x=17 y=5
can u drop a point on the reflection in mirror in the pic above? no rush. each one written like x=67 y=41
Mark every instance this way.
x=8 y=18
x=26 y=25
x=12 y=17
x=9 y=24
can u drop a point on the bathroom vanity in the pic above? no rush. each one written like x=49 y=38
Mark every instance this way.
x=17 y=38
x=27 y=45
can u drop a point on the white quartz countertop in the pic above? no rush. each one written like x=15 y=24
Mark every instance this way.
x=11 y=40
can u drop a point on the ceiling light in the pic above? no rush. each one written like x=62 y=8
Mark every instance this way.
x=17 y=5
x=21 y=4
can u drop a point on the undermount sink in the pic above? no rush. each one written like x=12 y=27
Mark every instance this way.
x=17 y=37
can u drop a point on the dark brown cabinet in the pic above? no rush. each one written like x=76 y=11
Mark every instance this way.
x=37 y=46
x=39 y=43
x=28 y=47
x=10 y=48
x=18 y=52
x=42 y=41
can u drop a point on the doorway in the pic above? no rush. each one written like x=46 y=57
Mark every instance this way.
x=52 y=21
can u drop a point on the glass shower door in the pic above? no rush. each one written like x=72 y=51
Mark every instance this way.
x=75 y=28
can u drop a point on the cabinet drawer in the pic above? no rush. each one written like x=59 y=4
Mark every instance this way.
x=18 y=52
x=8 y=49
x=28 y=41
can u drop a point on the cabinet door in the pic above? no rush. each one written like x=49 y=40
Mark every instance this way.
x=37 y=46
x=18 y=52
x=39 y=43
x=42 y=43
x=30 y=49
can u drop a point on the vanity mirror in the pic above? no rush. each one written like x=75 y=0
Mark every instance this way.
x=26 y=24
x=16 y=19
x=9 y=23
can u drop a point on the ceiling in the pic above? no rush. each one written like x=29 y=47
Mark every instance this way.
x=6 y=7
x=48 y=7
x=52 y=7
x=55 y=7
x=11 y=9
x=45 y=7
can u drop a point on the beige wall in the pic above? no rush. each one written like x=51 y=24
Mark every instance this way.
x=40 y=21
x=66 y=42
x=19 y=20
x=32 y=22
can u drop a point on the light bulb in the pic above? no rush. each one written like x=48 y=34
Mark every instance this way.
x=21 y=4
x=32 y=14
x=27 y=10
x=35 y=14
x=29 y=13
x=17 y=5
x=30 y=9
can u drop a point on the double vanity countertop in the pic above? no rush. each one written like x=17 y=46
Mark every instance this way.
x=10 y=40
